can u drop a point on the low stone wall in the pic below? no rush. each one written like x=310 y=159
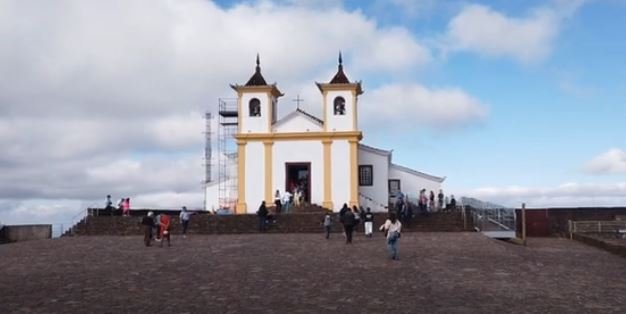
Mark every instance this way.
x=286 y=223
x=615 y=246
x=20 y=233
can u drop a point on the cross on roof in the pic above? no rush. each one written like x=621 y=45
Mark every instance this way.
x=298 y=100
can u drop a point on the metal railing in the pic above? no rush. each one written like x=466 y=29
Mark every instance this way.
x=597 y=226
x=493 y=219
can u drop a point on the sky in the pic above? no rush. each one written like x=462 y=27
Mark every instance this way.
x=512 y=101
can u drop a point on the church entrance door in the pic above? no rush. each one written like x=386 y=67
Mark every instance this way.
x=298 y=175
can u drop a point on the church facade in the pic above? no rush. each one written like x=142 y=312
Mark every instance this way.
x=320 y=156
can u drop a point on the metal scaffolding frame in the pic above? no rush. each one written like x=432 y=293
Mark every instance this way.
x=227 y=153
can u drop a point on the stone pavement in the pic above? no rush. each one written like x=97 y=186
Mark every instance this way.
x=304 y=273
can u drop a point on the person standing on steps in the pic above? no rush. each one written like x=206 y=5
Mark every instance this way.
x=440 y=200
x=368 y=218
x=392 y=227
x=262 y=214
x=277 y=202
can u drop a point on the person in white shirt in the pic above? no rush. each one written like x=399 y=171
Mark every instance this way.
x=286 y=201
x=393 y=227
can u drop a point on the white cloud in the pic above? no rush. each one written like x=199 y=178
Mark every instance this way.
x=481 y=29
x=571 y=194
x=412 y=105
x=611 y=162
x=106 y=97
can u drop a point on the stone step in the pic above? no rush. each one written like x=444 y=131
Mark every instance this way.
x=286 y=223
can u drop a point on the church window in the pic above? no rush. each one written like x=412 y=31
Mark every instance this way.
x=366 y=175
x=254 y=107
x=340 y=106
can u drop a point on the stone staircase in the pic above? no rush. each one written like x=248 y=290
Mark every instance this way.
x=301 y=222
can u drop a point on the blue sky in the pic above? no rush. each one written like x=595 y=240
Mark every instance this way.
x=512 y=101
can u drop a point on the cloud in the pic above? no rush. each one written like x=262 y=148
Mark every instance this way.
x=478 y=28
x=108 y=97
x=565 y=195
x=611 y=162
x=413 y=105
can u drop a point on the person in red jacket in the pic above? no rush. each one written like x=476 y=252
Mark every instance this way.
x=165 y=228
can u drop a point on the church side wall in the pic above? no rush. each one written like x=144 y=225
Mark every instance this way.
x=254 y=124
x=410 y=184
x=340 y=122
x=294 y=152
x=340 y=169
x=379 y=191
x=255 y=175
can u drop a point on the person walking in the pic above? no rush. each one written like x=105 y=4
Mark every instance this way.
x=148 y=224
x=348 y=225
x=184 y=220
x=368 y=218
x=328 y=222
x=392 y=227
x=342 y=213
x=262 y=214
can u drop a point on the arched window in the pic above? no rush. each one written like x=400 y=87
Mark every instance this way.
x=255 y=107
x=339 y=106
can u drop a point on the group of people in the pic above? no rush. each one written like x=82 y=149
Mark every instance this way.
x=351 y=218
x=284 y=201
x=158 y=227
x=123 y=206
x=425 y=203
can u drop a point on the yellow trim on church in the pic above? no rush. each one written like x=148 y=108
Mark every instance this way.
x=354 y=176
x=328 y=191
x=241 y=175
x=268 y=146
x=304 y=136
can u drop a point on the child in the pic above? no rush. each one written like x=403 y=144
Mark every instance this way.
x=165 y=228
x=328 y=222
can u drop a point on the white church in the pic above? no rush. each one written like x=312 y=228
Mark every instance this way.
x=322 y=156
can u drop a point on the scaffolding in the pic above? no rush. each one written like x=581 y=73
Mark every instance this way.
x=208 y=149
x=227 y=154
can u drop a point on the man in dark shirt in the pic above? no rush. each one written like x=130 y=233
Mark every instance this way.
x=348 y=224
x=262 y=213
x=148 y=224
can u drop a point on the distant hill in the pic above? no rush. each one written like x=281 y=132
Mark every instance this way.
x=476 y=203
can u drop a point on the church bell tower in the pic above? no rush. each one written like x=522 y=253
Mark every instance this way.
x=340 y=102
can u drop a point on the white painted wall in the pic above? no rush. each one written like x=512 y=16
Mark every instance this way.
x=255 y=124
x=411 y=184
x=297 y=122
x=339 y=122
x=379 y=192
x=299 y=151
x=255 y=175
x=211 y=194
x=340 y=173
